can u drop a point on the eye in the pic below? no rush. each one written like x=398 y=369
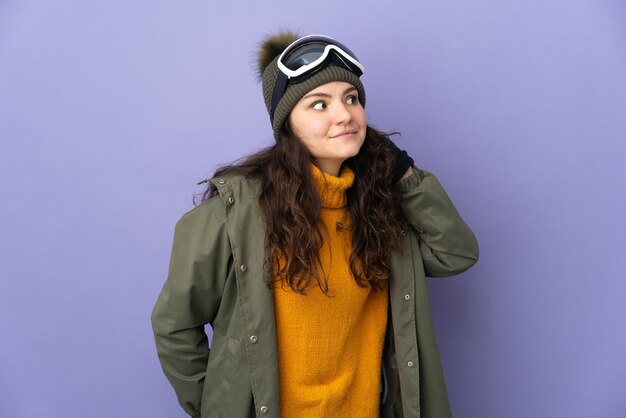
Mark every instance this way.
x=319 y=105
x=352 y=99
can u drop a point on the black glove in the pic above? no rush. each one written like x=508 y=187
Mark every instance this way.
x=401 y=163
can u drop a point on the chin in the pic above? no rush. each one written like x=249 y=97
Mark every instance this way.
x=357 y=147
x=351 y=154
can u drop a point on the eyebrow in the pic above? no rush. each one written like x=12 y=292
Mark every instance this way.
x=348 y=90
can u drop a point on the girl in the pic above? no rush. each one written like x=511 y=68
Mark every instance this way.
x=308 y=260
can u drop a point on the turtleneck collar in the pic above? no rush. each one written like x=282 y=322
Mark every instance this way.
x=331 y=189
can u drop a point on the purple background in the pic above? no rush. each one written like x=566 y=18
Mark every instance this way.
x=111 y=111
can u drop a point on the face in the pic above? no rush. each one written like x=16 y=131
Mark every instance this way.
x=331 y=123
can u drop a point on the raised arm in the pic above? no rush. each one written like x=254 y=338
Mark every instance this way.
x=448 y=246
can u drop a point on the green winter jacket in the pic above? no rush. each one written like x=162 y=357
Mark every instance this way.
x=216 y=277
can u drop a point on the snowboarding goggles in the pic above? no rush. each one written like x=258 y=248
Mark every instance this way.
x=306 y=56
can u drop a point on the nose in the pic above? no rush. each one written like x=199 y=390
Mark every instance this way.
x=342 y=114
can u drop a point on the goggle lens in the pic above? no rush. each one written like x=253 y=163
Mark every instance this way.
x=303 y=55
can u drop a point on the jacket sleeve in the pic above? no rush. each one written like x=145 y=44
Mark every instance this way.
x=190 y=299
x=447 y=244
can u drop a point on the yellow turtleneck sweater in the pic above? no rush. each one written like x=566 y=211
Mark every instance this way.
x=330 y=348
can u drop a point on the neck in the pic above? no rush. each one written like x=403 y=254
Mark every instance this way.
x=329 y=167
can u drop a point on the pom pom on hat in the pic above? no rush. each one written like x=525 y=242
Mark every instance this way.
x=271 y=47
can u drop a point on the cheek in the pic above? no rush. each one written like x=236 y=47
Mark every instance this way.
x=361 y=117
x=300 y=124
x=316 y=127
x=304 y=130
x=311 y=130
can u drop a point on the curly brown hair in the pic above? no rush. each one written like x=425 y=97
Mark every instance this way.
x=291 y=209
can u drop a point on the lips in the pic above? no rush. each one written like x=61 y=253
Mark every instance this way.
x=347 y=131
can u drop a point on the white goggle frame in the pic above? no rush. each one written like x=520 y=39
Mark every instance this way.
x=308 y=67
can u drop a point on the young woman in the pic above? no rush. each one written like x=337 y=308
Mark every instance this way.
x=308 y=260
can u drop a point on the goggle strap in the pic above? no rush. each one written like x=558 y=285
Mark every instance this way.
x=279 y=90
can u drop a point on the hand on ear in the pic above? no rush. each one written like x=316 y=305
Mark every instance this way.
x=402 y=164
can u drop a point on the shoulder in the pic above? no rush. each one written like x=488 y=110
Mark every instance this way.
x=236 y=186
x=215 y=209
x=208 y=217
